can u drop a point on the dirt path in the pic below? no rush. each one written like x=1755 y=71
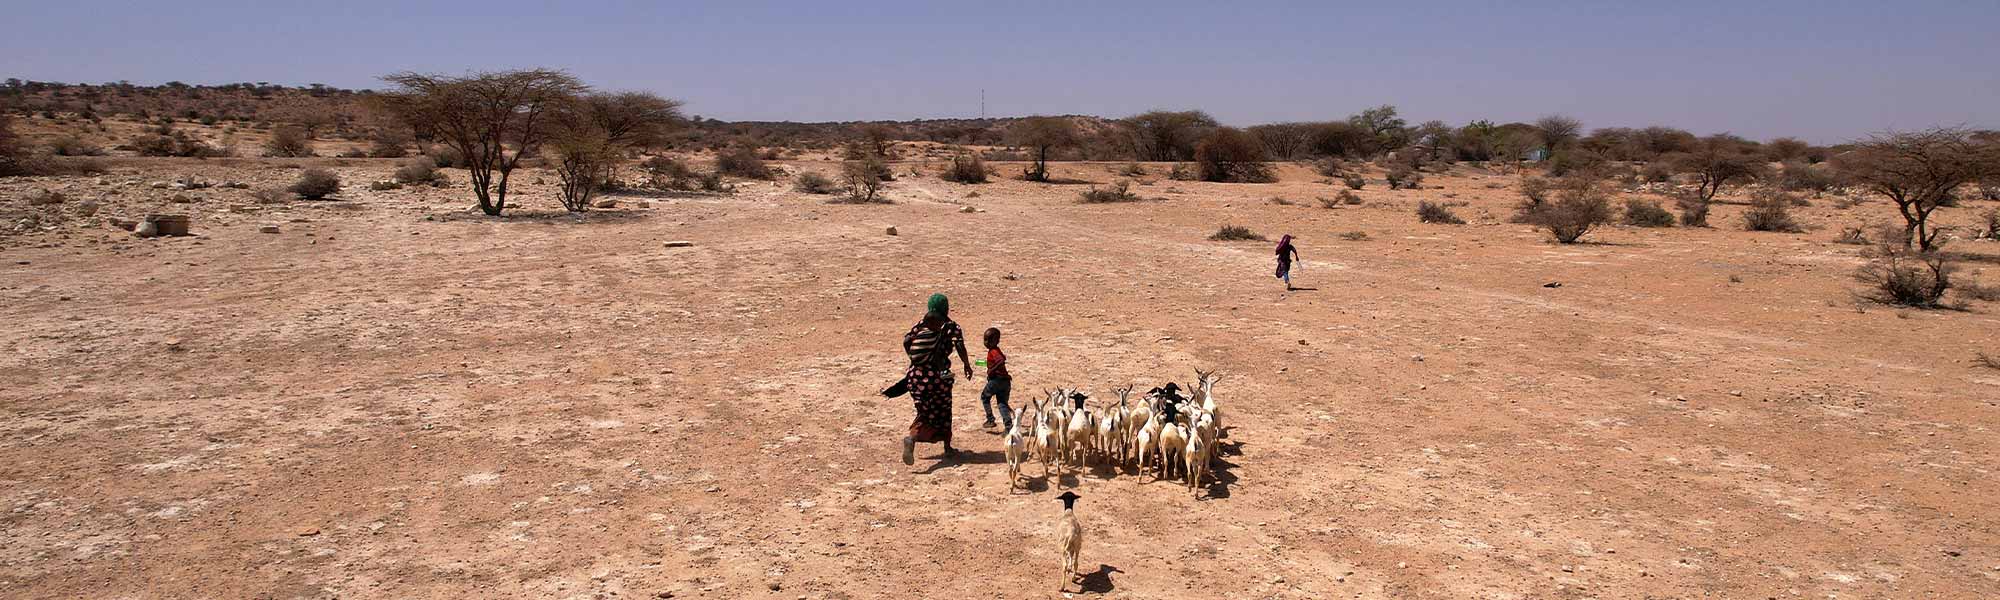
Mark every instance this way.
x=377 y=404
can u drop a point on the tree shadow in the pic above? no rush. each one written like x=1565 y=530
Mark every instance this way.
x=544 y=217
x=1992 y=259
x=1098 y=582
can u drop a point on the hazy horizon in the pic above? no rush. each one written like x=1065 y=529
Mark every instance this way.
x=1822 y=71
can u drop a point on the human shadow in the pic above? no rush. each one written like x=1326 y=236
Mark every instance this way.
x=1303 y=289
x=1099 y=581
x=966 y=457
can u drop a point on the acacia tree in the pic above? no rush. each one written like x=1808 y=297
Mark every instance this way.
x=491 y=119
x=1167 y=135
x=1387 y=132
x=593 y=132
x=1919 y=171
x=1716 y=161
x=1042 y=134
x=1229 y=155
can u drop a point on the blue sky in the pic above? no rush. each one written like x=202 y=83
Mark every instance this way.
x=1825 y=71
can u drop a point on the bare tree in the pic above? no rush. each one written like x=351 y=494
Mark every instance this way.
x=1042 y=134
x=1558 y=132
x=1716 y=161
x=880 y=139
x=1918 y=170
x=492 y=119
x=593 y=132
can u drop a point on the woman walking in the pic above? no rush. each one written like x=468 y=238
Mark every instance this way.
x=929 y=345
x=1286 y=252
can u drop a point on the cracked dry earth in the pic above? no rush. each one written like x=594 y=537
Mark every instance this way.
x=393 y=398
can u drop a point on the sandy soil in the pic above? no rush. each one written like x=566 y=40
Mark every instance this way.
x=395 y=398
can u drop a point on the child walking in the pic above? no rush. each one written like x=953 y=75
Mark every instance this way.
x=998 y=383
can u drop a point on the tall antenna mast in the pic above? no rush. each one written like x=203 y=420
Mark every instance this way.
x=982 y=104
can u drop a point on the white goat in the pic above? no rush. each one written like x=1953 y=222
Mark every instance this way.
x=1197 y=463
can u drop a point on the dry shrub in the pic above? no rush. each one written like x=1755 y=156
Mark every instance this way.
x=1992 y=224
x=1325 y=202
x=383 y=186
x=864 y=181
x=1354 y=236
x=1694 y=210
x=1990 y=362
x=172 y=144
x=1797 y=176
x=288 y=141
x=1578 y=206
x=965 y=168
x=1350 y=198
x=1119 y=191
x=1902 y=277
x=1330 y=167
x=70 y=145
x=1535 y=192
x=1771 y=210
x=1354 y=181
x=1182 y=172
x=1234 y=233
x=1282 y=201
x=1404 y=177
x=315 y=184
x=1432 y=212
x=1647 y=213
x=814 y=183
x=387 y=148
x=742 y=161
x=1132 y=169
x=420 y=172
x=665 y=173
x=446 y=157
x=1852 y=236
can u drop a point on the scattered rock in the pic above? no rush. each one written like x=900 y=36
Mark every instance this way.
x=604 y=203
x=679 y=244
x=146 y=229
x=891 y=230
x=1552 y=284
x=267 y=229
x=161 y=185
x=180 y=199
x=87 y=208
x=245 y=208
x=308 y=531
x=122 y=223
x=967 y=209
x=42 y=197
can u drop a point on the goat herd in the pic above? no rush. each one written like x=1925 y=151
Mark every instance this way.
x=1163 y=430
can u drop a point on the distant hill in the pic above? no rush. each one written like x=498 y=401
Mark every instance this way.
x=338 y=112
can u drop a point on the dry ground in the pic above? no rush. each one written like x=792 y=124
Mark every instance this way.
x=395 y=398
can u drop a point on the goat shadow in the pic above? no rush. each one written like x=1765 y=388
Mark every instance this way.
x=1098 y=582
x=1220 y=476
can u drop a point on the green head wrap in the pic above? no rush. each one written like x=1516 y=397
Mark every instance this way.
x=938 y=306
